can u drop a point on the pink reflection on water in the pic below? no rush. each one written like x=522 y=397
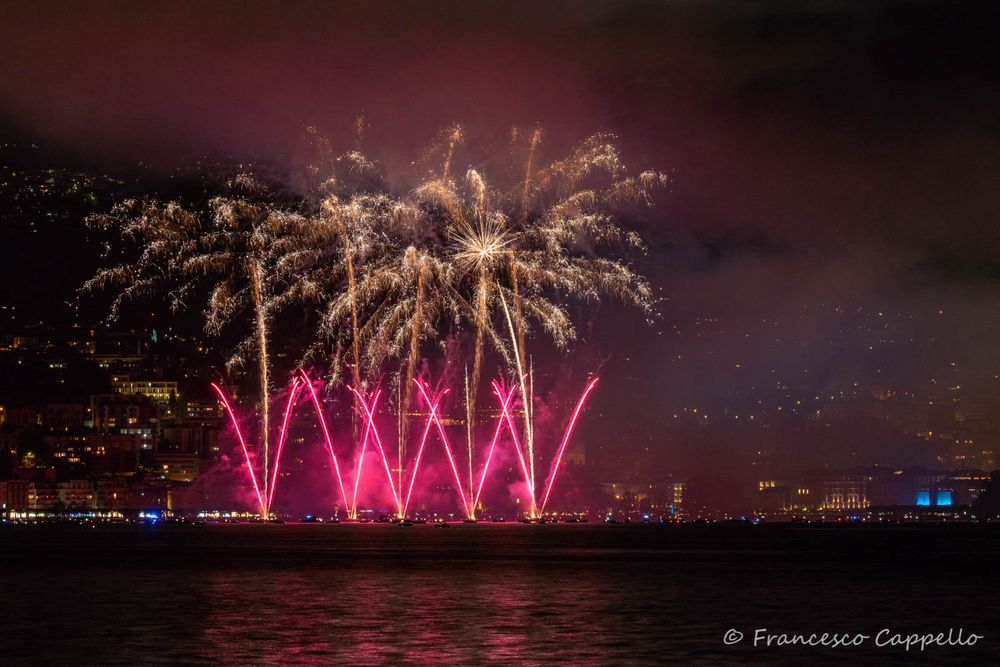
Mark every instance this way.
x=422 y=608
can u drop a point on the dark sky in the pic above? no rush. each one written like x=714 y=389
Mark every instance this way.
x=831 y=161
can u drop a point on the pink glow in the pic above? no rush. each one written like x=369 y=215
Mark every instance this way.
x=369 y=406
x=504 y=402
x=517 y=448
x=373 y=429
x=447 y=449
x=420 y=452
x=281 y=439
x=243 y=444
x=326 y=436
x=562 y=447
x=361 y=456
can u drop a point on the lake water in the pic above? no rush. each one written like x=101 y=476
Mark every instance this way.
x=509 y=594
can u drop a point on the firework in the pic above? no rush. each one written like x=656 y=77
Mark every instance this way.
x=243 y=445
x=369 y=408
x=263 y=491
x=565 y=440
x=484 y=265
x=432 y=413
x=469 y=500
x=521 y=266
x=281 y=446
x=326 y=437
x=447 y=450
x=456 y=255
x=504 y=403
x=242 y=241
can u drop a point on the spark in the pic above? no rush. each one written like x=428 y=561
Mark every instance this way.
x=520 y=457
x=371 y=428
x=562 y=446
x=242 y=239
x=504 y=402
x=433 y=422
x=447 y=450
x=420 y=448
x=281 y=439
x=326 y=436
x=243 y=446
x=460 y=258
x=361 y=459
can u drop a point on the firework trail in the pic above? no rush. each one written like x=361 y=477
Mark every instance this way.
x=432 y=412
x=528 y=479
x=453 y=136
x=242 y=241
x=326 y=437
x=457 y=252
x=264 y=492
x=469 y=440
x=562 y=446
x=447 y=450
x=504 y=403
x=393 y=275
x=469 y=500
x=372 y=430
x=353 y=514
x=246 y=452
x=281 y=445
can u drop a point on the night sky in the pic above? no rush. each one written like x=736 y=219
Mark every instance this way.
x=832 y=221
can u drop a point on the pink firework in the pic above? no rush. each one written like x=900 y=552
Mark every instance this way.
x=266 y=496
x=326 y=437
x=367 y=406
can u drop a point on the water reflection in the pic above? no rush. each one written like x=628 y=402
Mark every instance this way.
x=280 y=595
x=457 y=613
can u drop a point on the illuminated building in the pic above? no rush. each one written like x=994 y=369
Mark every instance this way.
x=191 y=438
x=161 y=392
x=15 y=494
x=118 y=351
x=109 y=412
x=918 y=487
x=178 y=467
x=849 y=492
x=96 y=449
x=772 y=495
x=42 y=496
x=144 y=433
x=678 y=493
x=208 y=411
x=630 y=498
x=75 y=494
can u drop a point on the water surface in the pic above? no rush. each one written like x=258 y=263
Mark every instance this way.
x=514 y=594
